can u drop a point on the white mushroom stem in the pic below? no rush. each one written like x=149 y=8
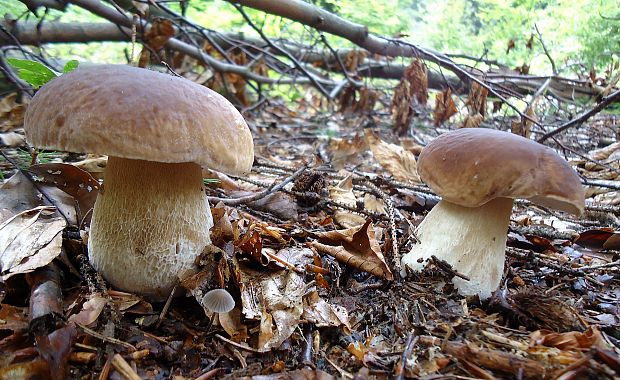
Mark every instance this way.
x=471 y=239
x=150 y=222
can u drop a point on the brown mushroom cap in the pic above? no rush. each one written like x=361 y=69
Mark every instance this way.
x=472 y=166
x=135 y=113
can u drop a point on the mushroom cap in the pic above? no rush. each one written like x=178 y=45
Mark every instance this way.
x=218 y=301
x=136 y=113
x=471 y=166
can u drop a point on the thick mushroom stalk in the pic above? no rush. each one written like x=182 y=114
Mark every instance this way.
x=151 y=220
x=471 y=239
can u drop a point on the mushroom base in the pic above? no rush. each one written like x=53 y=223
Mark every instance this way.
x=471 y=240
x=150 y=221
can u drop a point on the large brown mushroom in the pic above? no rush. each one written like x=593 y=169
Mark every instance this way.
x=151 y=218
x=478 y=172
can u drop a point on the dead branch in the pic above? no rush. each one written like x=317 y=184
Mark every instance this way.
x=607 y=100
x=492 y=359
x=46 y=312
x=254 y=197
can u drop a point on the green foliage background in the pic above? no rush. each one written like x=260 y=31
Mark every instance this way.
x=580 y=34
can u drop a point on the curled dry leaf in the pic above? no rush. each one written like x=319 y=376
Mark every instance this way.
x=323 y=314
x=231 y=323
x=12 y=139
x=472 y=121
x=11 y=113
x=399 y=162
x=346 y=151
x=29 y=240
x=477 y=99
x=73 y=181
x=413 y=84
x=444 y=107
x=276 y=300
x=156 y=37
x=93 y=164
x=90 y=310
x=572 y=340
x=343 y=193
x=356 y=247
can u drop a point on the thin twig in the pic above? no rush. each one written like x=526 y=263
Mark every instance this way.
x=235 y=344
x=540 y=39
x=297 y=64
x=400 y=368
x=108 y=339
x=605 y=101
x=254 y=197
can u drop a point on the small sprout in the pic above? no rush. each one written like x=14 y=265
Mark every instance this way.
x=218 y=301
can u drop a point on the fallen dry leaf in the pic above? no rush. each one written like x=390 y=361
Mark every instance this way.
x=355 y=247
x=91 y=310
x=275 y=299
x=11 y=113
x=346 y=151
x=231 y=323
x=399 y=162
x=12 y=139
x=323 y=314
x=343 y=193
x=571 y=340
x=94 y=165
x=73 y=181
x=29 y=240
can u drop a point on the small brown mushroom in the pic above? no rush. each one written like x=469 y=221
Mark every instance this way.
x=152 y=217
x=479 y=172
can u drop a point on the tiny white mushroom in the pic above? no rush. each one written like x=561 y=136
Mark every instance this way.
x=218 y=301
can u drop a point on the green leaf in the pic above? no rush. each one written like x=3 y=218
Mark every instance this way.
x=35 y=73
x=70 y=66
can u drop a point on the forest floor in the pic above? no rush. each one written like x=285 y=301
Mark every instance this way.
x=312 y=268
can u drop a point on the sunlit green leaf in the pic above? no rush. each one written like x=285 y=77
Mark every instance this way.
x=70 y=66
x=35 y=73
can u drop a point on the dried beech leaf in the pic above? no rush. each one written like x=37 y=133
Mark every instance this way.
x=571 y=340
x=413 y=84
x=323 y=314
x=343 y=193
x=94 y=165
x=11 y=113
x=477 y=99
x=444 y=107
x=73 y=181
x=12 y=139
x=346 y=151
x=473 y=121
x=374 y=204
x=156 y=37
x=29 y=240
x=275 y=299
x=356 y=247
x=13 y=318
x=90 y=310
x=399 y=162
x=595 y=238
x=231 y=323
